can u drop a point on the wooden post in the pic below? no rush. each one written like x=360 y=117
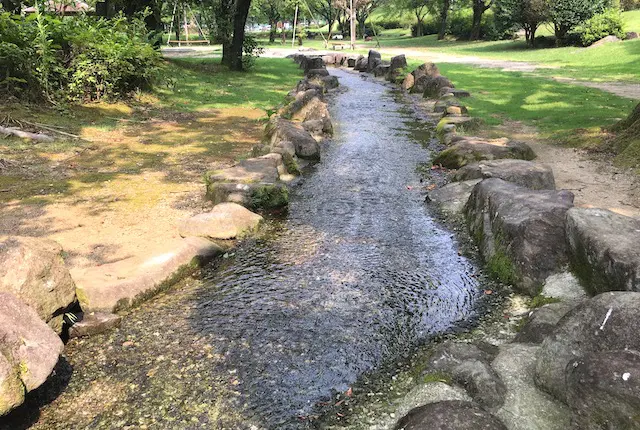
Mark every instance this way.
x=353 y=27
x=186 y=26
x=295 y=21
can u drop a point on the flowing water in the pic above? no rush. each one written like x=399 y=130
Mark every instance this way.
x=357 y=275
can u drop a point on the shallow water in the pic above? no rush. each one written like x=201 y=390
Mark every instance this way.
x=357 y=275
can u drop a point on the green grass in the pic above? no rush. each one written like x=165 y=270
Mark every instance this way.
x=204 y=84
x=555 y=108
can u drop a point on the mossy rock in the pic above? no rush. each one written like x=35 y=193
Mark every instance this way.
x=269 y=197
x=291 y=164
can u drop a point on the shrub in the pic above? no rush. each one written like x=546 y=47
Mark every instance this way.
x=630 y=4
x=75 y=58
x=601 y=25
x=566 y=15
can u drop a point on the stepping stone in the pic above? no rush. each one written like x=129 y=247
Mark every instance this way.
x=520 y=232
x=604 y=249
x=528 y=174
x=470 y=150
x=120 y=285
x=224 y=221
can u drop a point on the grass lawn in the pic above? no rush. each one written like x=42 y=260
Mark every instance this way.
x=135 y=160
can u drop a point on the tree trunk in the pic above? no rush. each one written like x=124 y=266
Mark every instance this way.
x=12 y=6
x=444 y=17
x=419 y=26
x=239 y=22
x=477 y=21
x=272 y=31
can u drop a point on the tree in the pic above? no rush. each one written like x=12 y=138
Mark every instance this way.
x=525 y=14
x=479 y=8
x=237 y=43
x=363 y=9
x=568 y=14
x=419 y=8
x=269 y=10
x=327 y=10
x=445 y=7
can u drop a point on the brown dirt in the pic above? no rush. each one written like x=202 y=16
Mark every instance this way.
x=593 y=179
x=121 y=192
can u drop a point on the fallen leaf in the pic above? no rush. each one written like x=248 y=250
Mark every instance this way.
x=349 y=392
x=488 y=292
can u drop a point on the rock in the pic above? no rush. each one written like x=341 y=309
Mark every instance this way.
x=456 y=110
x=426 y=69
x=374 y=60
x=33 y=270
x=252 y=170
x=449 y=415
x=120 y=285
x=604 y=249
x=309 y=63
x=328 y=59
x=433 y=86
x=542 y=322
x=283 y=130
x=469 y=367
x=313 y=73
x=605 y=40
x=442 y=105
x=525 y=406
x=631 y=35
x=328 y=82
x=604 y=390
x=535 y=176
x=94 y=323
x=471 y=150
x=339 y=59
x=463 y=123
x=398 y=62
x=520 y=231
x=408 y=82
x=381 y=70
x=300 y=100
x=351 y=62
x=446 y=91
x=224 y=221
x=607 y=322
x=315 y=127
x=29 y=350
x=420 y=84
x=306 y=84
x=451 y=198
x=361 y=64
x=564 y=286
x=316 y=109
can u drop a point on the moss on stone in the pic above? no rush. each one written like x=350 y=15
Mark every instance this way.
x=269 y=197
x=291 y=164
x=541 y=300
x=501 y=268
x=437 y=377
x=450 y=158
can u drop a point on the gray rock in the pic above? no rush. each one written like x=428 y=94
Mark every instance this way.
x=309 y=63
x=604 y=390
x=312 y=73
x=446 y=91
x=520 y=231
x=315 y=110
x=564 y=286
x=328 y=82
x=469 y=367
x=339 y=59
x=29 y=350
x=374 y=60
x=300 y=100
x=605 y=40
x=442 y=105
x=528 y=174
x=224 y=221
x=631 y=35
x=408 y=82
x=426 y=69
x=381 y=70
x=281 y=130
x=93 y=323
x=525 y=406
x=604 y=249
x=305 y=84
x=606 y=322
x=451 y=198
x=471 y=150
x=351 y=62
x=433 y=86
x=361 y=64
x=449 y=415
x=398 y=62
x=542 y=322
x=262 y=169
x=329 y=59
x=33 y=270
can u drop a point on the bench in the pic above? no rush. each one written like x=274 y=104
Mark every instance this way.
x=187 y=42
x=335 y=45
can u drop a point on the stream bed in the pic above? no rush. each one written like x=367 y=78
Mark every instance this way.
x=357 y=275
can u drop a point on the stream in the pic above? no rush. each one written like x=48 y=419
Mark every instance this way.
x=356 y=276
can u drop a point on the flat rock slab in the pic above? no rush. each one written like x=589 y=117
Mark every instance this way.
x=33 y=270
x=542 y=322
x=262 y=169
x=525 y=406
x=119 y=285
x=470 y=150
x=520 y=231
x=93 y=323
x=224 y=221
x=451 y=198
x=29 y=350
x=450 y=415
x=528 y=174
x=607 y=322
x=604 y=390
x=281 y=132
x=604 y=249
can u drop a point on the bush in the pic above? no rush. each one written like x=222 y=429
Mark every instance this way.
x=389 y=23
x=630 y=4
x=75 y=58
x=608 y=23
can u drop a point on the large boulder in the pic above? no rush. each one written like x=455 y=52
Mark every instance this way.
x=315 y=110
x=309 y=63
x=361 y=64
x=224 y=221
x=520 y=231
x=374 y=59
x=381 y=70
x=420 y=84
x=542 y=322
x=604 y=249
x=528 y=174
x=281 y=131
x=429 y=70
x=125 y=283
x=433 y=86
x=308 y=84
x=398 y=62
x=327 y=82
x=29 y=350
x=603 y=390
x=449 y=415
x=451 y=198
x=469 y=366
x=316 y=73
x=470 y=150
x=33 y=270
x=607 y=322
x=301 y=99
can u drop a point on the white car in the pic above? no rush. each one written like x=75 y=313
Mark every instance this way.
x=337 y=37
